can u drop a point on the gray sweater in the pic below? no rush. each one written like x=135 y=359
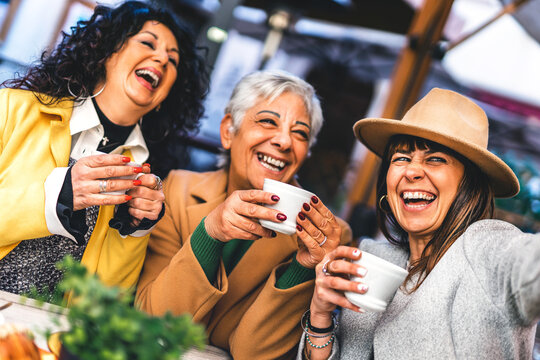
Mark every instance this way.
x=481 y=301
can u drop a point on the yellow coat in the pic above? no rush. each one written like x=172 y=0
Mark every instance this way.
x=244 y=312
x=35 y=139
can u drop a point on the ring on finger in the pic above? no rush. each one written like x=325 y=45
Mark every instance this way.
x=102 y=186
x=324 y=240
x=325 y=268
x=159 y=183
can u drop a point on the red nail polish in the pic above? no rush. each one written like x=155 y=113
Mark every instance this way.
x=298 y=227
x=126 y=159
x=281 y=217
x=146 y=164
x=137 y=182
x=137 y=170
x=315 y=199
x=306 y=207
x=128 y=197
x=275 y=198
x=302 y=216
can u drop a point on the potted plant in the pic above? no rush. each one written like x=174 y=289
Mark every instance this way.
x=104 y=324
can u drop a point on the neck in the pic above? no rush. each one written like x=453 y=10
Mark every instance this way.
x=417 y=244
x=118 y=112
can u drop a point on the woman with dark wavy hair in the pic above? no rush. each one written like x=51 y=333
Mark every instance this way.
x=473 y=284
x=81 y=128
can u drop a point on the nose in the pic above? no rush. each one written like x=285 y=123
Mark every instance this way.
x=414 y=171
x=282 y=139
x=161 y=56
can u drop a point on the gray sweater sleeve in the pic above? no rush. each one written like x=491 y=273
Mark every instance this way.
x=508 y=266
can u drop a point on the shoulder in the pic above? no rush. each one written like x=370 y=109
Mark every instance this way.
x=17 y=95
x=386 y=250
x=491 y=232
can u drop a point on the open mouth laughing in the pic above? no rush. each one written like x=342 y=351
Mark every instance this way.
x=271 y=163
x=417 y=199
x=149 y=76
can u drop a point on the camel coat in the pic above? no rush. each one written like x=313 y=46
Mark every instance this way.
x=244 y=312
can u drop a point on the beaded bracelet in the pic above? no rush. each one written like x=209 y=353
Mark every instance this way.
x=304 y=322
x=320 y=346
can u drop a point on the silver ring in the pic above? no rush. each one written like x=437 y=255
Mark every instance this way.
x=322 y=242
x=159 y=183
x=325 y=268
x=102 y=186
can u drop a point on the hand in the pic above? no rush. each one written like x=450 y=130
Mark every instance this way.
x=329 y=286
x=318 y=233
x=238 y=216
x=147 y=199
x=88 y=174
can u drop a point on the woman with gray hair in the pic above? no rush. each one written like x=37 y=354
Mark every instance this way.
x=209 y=255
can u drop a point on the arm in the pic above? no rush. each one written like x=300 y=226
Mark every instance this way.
x=271 y=325
x=505 y=261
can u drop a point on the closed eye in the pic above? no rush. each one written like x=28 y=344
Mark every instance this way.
x=397 y=158
x=148 y=43
x=302 y=133
x=437 y=159
x=173 y=61
x=267 y=121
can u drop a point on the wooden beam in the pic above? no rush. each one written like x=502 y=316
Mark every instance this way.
x=408 y=77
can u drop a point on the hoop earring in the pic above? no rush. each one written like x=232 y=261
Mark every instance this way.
x=82 y=97
x=381 y=203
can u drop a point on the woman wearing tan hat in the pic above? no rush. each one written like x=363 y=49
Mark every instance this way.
x=473 y=289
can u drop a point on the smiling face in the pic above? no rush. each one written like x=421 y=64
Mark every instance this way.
x=141 y=74
x=272 y=142
x=421 y=186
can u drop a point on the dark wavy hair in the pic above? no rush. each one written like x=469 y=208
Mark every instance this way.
x=79 y=62
x=473 y=202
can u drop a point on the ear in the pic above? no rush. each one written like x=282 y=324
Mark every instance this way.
x=225 y=131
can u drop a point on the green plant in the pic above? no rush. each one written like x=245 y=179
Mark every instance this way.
x=104 y=324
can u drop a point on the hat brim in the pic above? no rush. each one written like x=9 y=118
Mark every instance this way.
x=374 y=133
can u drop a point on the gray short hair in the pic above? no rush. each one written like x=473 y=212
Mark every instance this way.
x=270 y=84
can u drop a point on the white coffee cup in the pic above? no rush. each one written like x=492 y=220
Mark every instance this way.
x=382 y=278
x=291 y=199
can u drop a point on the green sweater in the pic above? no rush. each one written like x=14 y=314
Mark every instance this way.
x=208 y=251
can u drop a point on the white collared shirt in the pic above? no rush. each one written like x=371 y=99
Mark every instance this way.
x=86 y=133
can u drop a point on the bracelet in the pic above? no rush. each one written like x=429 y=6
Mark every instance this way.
x=304 y=322
x=317 y=330
x=320 y=346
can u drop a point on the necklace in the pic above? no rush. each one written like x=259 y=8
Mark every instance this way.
x=104 y=141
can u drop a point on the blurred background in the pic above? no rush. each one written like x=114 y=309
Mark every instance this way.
x=364 y=58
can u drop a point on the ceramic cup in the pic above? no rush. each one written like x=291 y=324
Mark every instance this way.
x=127 y=177
x=383 y=279
x=291 y=199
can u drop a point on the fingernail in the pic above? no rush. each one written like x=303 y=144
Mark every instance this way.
x=298 y=227
x=137 y=170
x=361 y=271
x=315 y=199
x=362 y=287
x=360 y=310
x=275 y=198
x=126 y=159
x=302 y=216
x=306 y=207
x=281 y=217
x=146 y=164
x=137 y=182
x=274 y=234
x=356 y=252
x=128 y=197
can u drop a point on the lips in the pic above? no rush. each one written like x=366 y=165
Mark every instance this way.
x=149 y=75
x=271 y=163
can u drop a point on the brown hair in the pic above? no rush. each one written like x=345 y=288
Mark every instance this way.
x=473 y=202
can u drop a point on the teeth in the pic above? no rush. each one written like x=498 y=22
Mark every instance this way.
x=153 y=76
x=271 y=163
x=409 y=195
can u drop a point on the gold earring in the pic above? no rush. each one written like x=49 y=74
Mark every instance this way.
x=381 y=203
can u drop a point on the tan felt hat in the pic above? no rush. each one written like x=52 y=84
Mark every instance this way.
x=452 y=120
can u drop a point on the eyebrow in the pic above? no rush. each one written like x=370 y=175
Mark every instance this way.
x=156 y=37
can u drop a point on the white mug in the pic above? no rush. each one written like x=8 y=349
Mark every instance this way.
x=382 y=278
x=291 y=199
